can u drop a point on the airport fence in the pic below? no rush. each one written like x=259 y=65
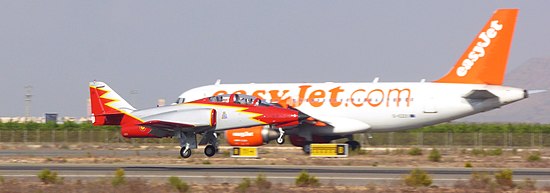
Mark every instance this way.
x=391 y=139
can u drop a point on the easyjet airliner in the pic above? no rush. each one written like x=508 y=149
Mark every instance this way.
x=339 y=110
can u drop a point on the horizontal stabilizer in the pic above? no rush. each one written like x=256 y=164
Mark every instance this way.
x=479 y=94
x=530 y=92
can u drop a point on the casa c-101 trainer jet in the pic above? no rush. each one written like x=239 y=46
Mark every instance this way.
x=203 y=116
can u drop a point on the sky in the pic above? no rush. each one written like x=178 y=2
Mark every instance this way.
x=159 y=49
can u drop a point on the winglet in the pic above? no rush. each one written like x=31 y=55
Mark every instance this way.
x=484 y=62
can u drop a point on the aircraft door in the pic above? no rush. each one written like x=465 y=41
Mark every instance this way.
x=430 y=102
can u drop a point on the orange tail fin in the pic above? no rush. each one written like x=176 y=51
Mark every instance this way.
x=484 y=62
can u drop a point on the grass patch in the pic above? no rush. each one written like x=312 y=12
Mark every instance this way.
x=306 y=180
x=504 y=178
x=534 y=157
x=178 y=184
x=262 y=183
x=119 y=178
x=49 y=177
x=415 y=151
x=434 y=156
x=417 y=178
x=481 y=180
x=495 y=152
x=244 y=185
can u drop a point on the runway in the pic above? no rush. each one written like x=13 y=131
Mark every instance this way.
x=205 y=174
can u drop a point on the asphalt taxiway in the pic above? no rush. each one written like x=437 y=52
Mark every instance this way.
x=204 y=174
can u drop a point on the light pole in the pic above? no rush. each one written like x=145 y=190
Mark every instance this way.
x=28 y=100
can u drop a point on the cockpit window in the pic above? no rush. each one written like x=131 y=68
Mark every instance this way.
x=239 y=99
x=180 y=100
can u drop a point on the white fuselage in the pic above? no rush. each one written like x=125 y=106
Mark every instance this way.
x=199 y=115
x=378 y=107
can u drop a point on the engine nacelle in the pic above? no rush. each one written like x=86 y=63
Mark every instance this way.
x=252 y=136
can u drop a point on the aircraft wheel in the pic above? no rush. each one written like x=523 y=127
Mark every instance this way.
x=209 y=150
x=185 y=153
x=280 y=140
x=307 y=148
x=353 y=145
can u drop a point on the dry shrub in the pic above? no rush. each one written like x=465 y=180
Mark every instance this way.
x=434 y=156
x=504 y=178
x=262 y=183
x=48 y=177
x=119 y=178
x=305 y=180
x=534 y=157
x=415 y=151
x=417 y=178
x=244 y=185
x=178 y=184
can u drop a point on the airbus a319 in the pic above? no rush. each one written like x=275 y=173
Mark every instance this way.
x=338 y=110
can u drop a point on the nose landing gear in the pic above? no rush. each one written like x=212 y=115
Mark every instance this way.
x=185 y=152
x=281 y=138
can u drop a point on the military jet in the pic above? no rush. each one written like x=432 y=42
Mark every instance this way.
x=185 y=120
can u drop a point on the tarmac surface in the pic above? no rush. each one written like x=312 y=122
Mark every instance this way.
x=218 y=174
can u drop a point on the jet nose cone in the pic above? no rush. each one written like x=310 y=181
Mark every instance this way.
x=302 y=116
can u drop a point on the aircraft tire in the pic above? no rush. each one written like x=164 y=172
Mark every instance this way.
x=281 y=140
x=307 y=148
x=209 y=150
x=353 y=145
x=185 y=153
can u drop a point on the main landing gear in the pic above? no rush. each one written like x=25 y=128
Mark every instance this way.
x=210 y=150
x=353 y=145
x=185 y=152
x=188 y=141
x=307 y=147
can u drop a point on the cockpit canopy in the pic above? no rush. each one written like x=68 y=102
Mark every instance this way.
x=230 y=98
x=238 y=99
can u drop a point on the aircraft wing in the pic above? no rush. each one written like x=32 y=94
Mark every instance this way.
x=340 y=124
x=181 y=119
x=166 y=124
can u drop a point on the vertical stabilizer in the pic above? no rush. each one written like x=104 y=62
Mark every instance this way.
x=108 y=108
x=484 y=62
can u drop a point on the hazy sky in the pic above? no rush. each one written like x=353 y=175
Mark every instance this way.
x=162 y=48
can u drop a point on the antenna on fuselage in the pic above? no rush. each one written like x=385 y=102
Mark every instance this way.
x=218 y=82
x=376 y=80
